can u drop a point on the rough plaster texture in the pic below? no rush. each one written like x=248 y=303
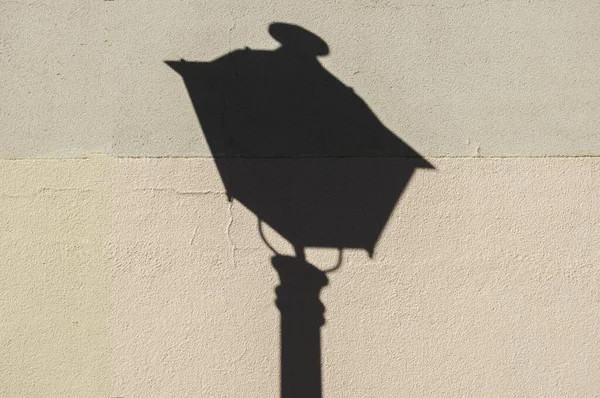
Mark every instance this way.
x=485 y=283
x=135 y=277
x=54 y=278
x=450 y=77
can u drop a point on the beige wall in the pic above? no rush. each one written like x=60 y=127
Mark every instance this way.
x=55 y=278
x=136 y=277
x=129 y=274
x=485 y=283
x=450 y=77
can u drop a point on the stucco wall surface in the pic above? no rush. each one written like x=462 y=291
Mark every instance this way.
x=137 y=277
x=484 y=283
x=55 y=278
x=450 y=77
x=126 y=272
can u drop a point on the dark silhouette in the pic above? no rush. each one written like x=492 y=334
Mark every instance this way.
x=306 y=154
x=301 y=321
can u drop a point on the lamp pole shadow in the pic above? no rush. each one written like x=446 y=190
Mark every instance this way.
x=301 y=320
x=308 y=157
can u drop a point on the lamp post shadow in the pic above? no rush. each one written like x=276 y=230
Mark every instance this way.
x=307 y=156
x=302 y=315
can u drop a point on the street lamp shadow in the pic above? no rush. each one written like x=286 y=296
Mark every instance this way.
x=308 y=157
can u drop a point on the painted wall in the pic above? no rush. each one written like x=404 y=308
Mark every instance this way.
x=451 y=77
x=126 y=272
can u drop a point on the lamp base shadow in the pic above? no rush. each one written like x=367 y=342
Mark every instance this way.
x=302 y=315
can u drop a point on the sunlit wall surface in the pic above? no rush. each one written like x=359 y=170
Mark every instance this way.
x=129 y=268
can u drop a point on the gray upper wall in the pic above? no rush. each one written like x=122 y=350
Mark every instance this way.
x=449 y=77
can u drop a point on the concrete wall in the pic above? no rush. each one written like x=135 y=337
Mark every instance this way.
x=126 y=272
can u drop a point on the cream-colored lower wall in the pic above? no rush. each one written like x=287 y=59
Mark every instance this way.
x=486 y=282
x=55 y=278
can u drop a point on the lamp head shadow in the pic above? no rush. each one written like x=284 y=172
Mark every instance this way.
x=296 y=146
